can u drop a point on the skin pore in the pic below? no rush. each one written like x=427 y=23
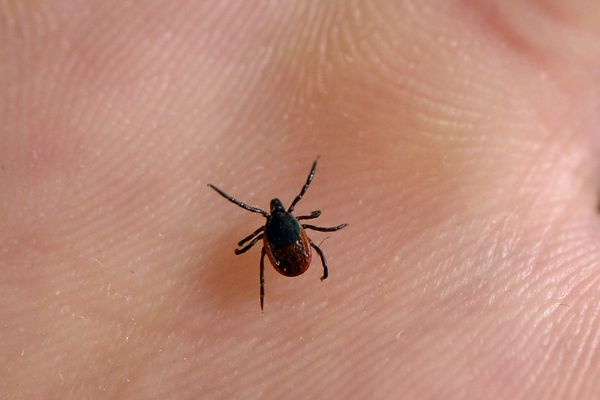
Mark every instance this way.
x=458 y=139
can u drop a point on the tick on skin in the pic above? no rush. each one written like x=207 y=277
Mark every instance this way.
x=285 y=241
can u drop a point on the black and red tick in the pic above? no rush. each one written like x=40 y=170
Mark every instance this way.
x=284 y=239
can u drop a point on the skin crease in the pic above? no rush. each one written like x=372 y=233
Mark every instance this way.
x=458 y=139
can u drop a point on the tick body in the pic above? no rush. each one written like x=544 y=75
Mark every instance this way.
x=285 y=241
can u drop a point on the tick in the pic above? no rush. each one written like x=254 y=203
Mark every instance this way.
x=284 y=238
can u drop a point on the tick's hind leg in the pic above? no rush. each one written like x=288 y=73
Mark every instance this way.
x=324 y=228
x=249 y=245
x=323 y=260
x=262 y=279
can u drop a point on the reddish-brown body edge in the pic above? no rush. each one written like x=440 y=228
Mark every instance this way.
x=290 y=260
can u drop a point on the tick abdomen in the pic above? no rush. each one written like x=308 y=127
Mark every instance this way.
x=292 y=259
x=287 y=245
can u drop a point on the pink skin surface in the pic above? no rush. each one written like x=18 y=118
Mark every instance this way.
x=459 y=139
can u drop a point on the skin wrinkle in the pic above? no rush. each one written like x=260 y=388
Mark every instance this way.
x=460 y=179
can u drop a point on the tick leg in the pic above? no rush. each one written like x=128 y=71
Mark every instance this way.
x=323 y=261
x=248 y=246
x=314 y=214
x=250 y=236
x=324 y=228
x=239 y=203
x=262 y=279
x=311 y=175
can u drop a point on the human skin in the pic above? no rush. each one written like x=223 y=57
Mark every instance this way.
x=458 y=139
